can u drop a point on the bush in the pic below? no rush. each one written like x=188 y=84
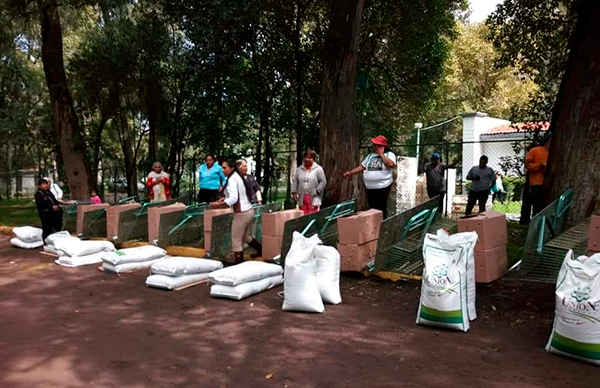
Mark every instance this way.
x=513 y=187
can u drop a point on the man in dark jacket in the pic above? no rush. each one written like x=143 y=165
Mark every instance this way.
x=48 y=208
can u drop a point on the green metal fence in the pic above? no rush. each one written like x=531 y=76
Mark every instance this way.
x=549 y=238
x=70 y=216
x=183 y=228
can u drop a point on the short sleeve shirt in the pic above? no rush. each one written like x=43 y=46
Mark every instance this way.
x=435 y=177
x=377 y=175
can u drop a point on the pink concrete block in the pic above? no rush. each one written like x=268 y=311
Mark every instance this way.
x=209 y=214
x=360 y=228
x=594 y=235
x=154 y=214
x=271 y=247
x=490 y=227
x=356 y=257
x=491 y=264
x=274 y=223
x=112 y=217
x=82 y=209
x=207 y=240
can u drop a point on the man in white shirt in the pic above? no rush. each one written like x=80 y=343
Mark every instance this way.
x=56 y=190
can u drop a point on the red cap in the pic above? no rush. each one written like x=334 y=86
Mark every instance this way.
x=380 y=140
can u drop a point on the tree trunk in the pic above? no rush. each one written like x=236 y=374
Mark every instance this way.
x=575 y=122
x=153 y=107
x=265 y=115
x=299 y=144
x=127 y=147
x=65 y=121
x=339 y=137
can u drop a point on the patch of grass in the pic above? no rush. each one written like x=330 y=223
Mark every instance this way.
x=512 y=207
x=517 y=234
x=18 y=213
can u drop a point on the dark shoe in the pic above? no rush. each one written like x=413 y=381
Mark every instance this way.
x=239 y=257
x=257 y=247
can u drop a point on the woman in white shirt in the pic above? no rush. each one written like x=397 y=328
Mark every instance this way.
x=238 y=192
x=378 y=173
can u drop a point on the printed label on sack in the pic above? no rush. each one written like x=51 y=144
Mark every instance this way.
x=577 y=309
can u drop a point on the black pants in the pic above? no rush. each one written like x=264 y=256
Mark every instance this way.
x=477 y=196
x=51 y=223
x=434 y=193
x=536 y=197
x=378 y=199
x=207 y=196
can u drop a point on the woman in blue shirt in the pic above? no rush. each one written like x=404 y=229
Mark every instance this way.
x=211 y=180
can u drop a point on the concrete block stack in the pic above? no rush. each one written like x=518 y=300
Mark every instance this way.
x=273 y=225
x=358 y=235
x=490 y=252
x=208 y=216
x=594 y=236
x=82 y=209
x=154 y=214
x=113 y=215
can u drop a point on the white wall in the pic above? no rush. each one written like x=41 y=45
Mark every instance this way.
x=496 y=151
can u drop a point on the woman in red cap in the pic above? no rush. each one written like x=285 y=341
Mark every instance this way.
x=378 y=175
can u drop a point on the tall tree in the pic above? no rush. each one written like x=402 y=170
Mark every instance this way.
x=575 y=125
x=340 y=135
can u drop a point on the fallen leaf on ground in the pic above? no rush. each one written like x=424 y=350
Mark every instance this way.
x=269 y=376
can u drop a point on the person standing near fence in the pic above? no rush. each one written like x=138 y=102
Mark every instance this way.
x=483 y=179
x=211 y=179
x=256 y=195
x=378 y=173
x=535 y=163
x=238 y=192
x=51 y=215
x=159 y=183
x=436 y=180
x=308 y=183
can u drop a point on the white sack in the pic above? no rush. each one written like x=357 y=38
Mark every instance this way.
x=78 y=248
x=576 y=329
x=128 y=267
x=328 y=273
x=50 y=240
x=28 y=234
x=244 y=290
x=171 y=282
x=247 y=271
x=51 y=249
x=78 y=261
x=301 y=286
x=179 y=266
x=15 y=242
x=134 y=255
x=448 y=287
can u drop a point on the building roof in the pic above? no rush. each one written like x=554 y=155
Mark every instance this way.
x=518 y=128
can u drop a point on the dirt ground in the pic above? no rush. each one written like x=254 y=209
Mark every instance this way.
x=63 y=327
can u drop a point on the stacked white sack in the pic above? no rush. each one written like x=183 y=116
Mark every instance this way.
x=75 y=252
x=27 y=237
x=132 y=259
x=246 y=279
x=175 y=272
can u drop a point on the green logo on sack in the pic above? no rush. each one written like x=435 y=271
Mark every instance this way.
x=581 y=294
x=440 y=275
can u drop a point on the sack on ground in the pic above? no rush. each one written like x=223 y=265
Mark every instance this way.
x=134 y=255
x=576 y=329
x=78 y=261
x=179 y=266
x=128 y=267
x=77 y=248
x=448 y=286
x=172 y=282
x=28 y=234
x=244 y=290
x=301 y=285
x=51 y=239
x=18 y=243
x=328 y=273
x=247 y=271
x=51 y=249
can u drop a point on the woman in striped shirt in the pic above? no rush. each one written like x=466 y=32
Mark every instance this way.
x=309 y=184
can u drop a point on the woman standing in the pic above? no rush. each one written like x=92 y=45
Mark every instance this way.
x=159 y=183
x=242 y=166
x=378 y=174
x=309 y=183
x=211 y=179
x=51 y=215
x=238 y=192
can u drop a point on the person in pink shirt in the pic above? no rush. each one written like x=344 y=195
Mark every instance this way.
x=95 y=199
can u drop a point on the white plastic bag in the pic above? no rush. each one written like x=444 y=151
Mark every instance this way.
x=128 y=267
x=50 y=240
x=172 y=282
x=134 y=255
x=28 y=234
x=77 y=248
x=15 y=242
x=245 y=272
x=301 y=285
x=179 y=266
x=328 y=273
x=244 y=290
x=448 y=287
x=78 y=261
x=576 y=329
